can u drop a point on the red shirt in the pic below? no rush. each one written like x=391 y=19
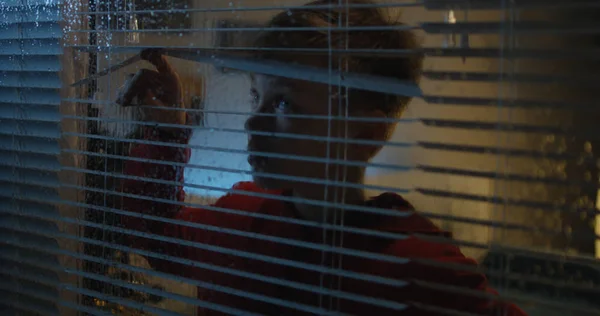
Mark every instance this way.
x=276 y=263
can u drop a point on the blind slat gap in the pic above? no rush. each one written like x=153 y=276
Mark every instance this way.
x=453 y=266
x=524 y=128
x=467 y=28
x=538 y=230
x=427 y=168
x=142 y=288
x=382 y=84
x=241 y=9
x=39 y=295
x=495 y=77
x=443 y=146
x=484 y=52
x=434 y=215
x=499 y=5
x=341 y=294
x=286 y=283
x=174 y=277
x=30 y=46
x=236 y=58
x=181 y=298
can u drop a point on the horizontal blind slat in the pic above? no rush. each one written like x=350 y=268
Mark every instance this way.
x=430 y=145
x=582 y=288
x=42 y=47
x=15 y=159
x=40 y=295
x=94 y=241
x=165 y=294
x=427 y=168
x=18 y=191
x=84 y=223
x=19 y=304
x=45 y=146
x=30 y=41
x=548 y=302
x=253 y=8
x=15 y=285
x=495 y=102
x=227 y=170
x=30 y=177
x=555 y=156
x=239 y=253
x=496 y=77
x=24 y=4
x=433 y=169
x=432 y=28
x=30 y=128
x=547 y=207
x=30 y=114
x=29 y=96
x=184 y=261
x=137 y=305
x=518 y=27
x=365 y=232
x=26 y=63
x=30 y=14
x=368 y=300
x=492 y=175
x=500 y=5
x=389 y=85
x=30 y=30
x=550 y=207
x=524 y=129
x=21 y=79
x=559 y=130
x=494 y=52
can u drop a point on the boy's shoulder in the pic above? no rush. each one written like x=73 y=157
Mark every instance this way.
x=246 y=196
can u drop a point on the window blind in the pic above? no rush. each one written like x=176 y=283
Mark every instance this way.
x=30 y=37
x=497 y=147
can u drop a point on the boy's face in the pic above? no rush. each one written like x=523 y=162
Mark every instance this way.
x=294 y=120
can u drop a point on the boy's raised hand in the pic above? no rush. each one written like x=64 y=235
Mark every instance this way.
x=152 y=55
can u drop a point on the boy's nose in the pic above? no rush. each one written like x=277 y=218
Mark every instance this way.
x=247 y=125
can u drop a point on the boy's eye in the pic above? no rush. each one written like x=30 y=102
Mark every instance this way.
x=254 y=95
x=282 y=105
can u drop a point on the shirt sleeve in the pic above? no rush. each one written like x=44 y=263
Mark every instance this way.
x=153 y=185
x=442 y=277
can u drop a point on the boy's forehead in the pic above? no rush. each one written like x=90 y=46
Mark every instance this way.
x=268 y=82
x=260 y=79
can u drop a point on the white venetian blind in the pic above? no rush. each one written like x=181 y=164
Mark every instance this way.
x=33 y=205
x=497 y=146
x=29 y=83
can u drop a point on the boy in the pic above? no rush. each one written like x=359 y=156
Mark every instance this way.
x=303 y=237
